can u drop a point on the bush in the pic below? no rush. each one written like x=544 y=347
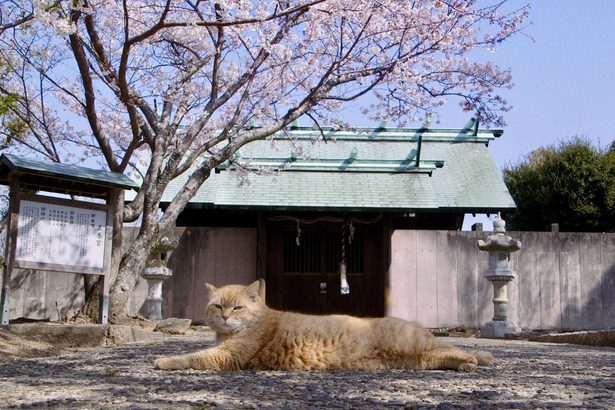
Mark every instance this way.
x=572 y=184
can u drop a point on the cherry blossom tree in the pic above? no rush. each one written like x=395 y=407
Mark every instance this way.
x=186 y=83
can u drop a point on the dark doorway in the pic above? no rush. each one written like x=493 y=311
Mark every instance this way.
x=304 y=268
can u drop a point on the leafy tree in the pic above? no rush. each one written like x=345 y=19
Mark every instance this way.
x=177 y=83
x=572 y=184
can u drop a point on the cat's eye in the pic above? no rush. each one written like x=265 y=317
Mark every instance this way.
x=217 y=306
x=238 y=308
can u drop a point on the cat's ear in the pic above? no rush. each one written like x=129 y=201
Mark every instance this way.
x=261 y=289
x=256 y=289
x=210 y=289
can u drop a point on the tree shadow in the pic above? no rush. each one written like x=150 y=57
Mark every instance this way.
x=525 y=375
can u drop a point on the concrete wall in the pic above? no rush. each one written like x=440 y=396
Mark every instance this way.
x=207 y=255
x=434 y=279
x=564 y=280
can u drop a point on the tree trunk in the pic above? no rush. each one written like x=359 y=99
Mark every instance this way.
x=130 y=267
x=92 y=285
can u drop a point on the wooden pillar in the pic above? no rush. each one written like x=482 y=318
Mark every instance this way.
x=110 y=263
x=9 y=251
x=261 y=247
x=387 y=233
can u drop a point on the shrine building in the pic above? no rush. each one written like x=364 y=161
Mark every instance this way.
x=292 y=210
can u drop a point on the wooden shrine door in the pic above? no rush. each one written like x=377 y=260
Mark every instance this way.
x=304 y=274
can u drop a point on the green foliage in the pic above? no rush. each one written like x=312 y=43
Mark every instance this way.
x=14 y=126
x=572 y=184
x=7 y=101
x=11 y=126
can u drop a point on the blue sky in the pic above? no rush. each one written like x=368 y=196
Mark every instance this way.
x=564 y=79
x=564 y=74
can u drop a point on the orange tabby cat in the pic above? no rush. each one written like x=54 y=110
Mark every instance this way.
x=252 y=336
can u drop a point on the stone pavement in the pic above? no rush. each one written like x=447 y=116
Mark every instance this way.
x=526 y=375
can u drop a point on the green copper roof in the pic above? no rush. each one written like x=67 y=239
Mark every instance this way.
x=362 y=169
x=63 y=178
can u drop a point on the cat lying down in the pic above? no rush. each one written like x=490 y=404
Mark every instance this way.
x=252 y=336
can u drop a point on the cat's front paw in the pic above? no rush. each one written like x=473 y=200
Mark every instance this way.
x=468 y=366
x=171 y=363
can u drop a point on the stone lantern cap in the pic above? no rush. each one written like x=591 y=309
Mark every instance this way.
x=165 y=245
x=157 y=273
x=499 y=225
x=499 y=242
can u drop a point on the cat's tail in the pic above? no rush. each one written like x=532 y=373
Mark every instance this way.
x=484 y=358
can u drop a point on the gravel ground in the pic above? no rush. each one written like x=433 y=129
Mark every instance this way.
x=526 y=375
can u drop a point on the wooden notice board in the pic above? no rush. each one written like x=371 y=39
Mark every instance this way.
x=58 y=235
x=53 y=234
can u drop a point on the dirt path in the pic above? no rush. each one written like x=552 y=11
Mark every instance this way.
x=526 y=375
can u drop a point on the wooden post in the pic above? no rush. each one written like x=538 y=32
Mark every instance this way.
x=9 y=252
x=385 y=283
x=261 y=246
x=113 y=245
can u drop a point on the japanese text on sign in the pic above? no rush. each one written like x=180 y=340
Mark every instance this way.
x=57 y=234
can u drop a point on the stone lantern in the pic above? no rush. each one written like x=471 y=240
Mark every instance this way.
x=156 y=273
x=499 y=245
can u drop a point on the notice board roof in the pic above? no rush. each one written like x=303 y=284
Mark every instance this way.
x=50 y=176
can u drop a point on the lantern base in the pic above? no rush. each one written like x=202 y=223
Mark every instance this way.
x=498 y=329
